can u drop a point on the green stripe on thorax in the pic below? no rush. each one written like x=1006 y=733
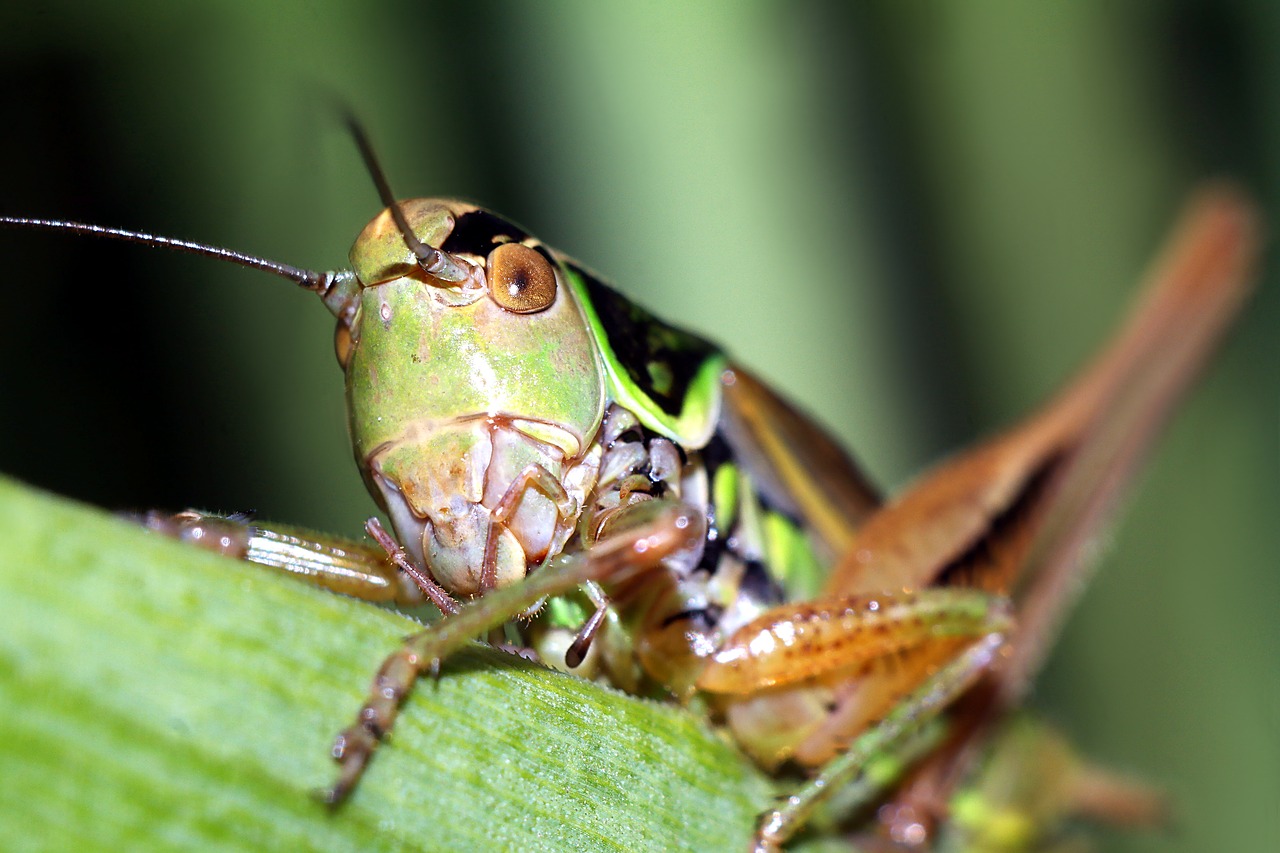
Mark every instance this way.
x=669 y=378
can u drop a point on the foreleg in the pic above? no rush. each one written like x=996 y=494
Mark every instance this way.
x=359 y=569
x=653 y=531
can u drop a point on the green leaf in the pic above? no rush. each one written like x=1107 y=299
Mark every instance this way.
x=156 y=697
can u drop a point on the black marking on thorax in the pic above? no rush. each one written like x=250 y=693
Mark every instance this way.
x=479 y=231
x=660 y=359
x=757 y=581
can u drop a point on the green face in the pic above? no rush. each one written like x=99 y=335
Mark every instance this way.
x=478 y=372
x=455 y=387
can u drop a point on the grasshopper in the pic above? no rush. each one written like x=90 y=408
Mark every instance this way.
x=563 y=469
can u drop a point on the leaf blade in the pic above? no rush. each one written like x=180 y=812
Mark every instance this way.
x=153 y=694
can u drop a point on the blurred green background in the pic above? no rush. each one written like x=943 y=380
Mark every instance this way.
x=916 y=219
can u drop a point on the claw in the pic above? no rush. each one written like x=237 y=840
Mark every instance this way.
x=352 y=750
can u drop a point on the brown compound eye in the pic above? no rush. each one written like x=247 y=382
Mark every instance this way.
x=343 y=344
x=521 y=280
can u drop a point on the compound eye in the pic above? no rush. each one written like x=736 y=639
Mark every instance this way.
x=521 y=280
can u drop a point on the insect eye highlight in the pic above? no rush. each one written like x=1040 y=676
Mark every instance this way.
x=521 y=280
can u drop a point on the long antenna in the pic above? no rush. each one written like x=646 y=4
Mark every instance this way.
x=309 y=279
x=434 y=262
